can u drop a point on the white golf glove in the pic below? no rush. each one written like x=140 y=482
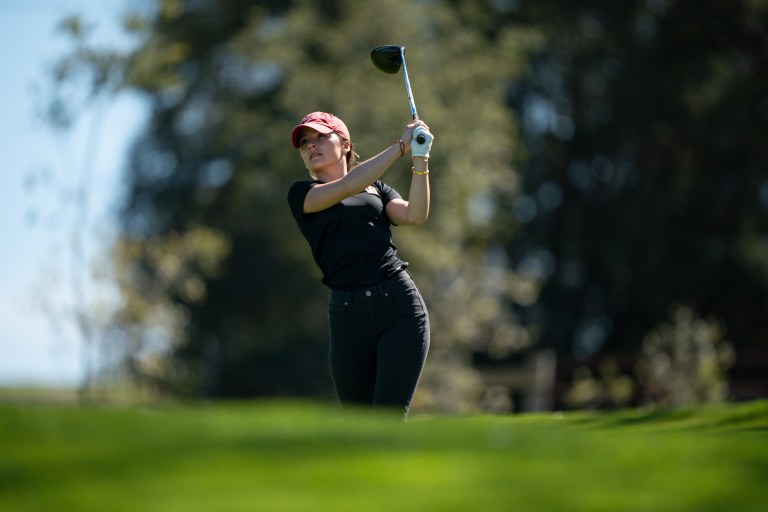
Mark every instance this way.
x=421 y=149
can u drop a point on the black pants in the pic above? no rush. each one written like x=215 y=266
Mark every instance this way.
x=379 y=343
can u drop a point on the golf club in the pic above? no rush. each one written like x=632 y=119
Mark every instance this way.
x=389 y=59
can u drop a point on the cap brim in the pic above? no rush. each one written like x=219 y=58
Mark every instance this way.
x=315 y=126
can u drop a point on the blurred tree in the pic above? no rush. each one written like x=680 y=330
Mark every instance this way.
x=684 y=361
x=83 y=81
x=219 y=293
x=595 y=163
x=644 y=182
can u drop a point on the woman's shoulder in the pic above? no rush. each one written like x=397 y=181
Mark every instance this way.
x=385 y=190
x=303 y=185
x=380 y=185
x=298 y=191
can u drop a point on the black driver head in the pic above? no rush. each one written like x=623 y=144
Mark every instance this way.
x=388 y=58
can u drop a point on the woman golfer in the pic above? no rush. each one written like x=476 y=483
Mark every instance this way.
x=379 y=326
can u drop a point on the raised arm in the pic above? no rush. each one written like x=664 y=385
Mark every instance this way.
x=325 y=195
x=416 y=209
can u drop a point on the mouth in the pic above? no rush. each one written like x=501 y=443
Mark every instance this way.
x=313 y=155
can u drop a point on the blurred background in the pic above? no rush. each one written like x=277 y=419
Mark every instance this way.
x=599 y=230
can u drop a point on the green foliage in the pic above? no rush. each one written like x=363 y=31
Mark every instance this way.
x=459 y=80
x=298 y=456
x=594 y=164
x=610 y=388
x=81 y=76
x=226 y=87
x=685 y=361
x=644 y=124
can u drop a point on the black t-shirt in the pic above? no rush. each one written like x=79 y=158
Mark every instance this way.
x=351 y=241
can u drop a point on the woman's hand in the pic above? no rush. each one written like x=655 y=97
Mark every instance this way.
x=408 y=133
x=421 y=143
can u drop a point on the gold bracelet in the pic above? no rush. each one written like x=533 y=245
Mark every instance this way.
x=402 y=147
x=419 y=172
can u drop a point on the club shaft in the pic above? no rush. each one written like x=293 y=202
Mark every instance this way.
x=408 y=86
x=420 y=139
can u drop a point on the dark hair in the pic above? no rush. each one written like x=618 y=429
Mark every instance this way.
x=351 y=155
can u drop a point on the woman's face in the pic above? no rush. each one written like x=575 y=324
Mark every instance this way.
x=321 y=150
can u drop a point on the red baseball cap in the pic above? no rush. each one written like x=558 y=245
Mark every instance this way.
x=323 y=122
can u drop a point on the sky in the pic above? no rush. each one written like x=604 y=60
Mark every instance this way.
x=41 y=226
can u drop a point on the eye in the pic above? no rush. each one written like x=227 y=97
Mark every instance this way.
x=308 y=138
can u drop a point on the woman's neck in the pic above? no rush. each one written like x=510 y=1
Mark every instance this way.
x=328 y=175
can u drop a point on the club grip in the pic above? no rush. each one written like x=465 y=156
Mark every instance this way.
x=419 y=138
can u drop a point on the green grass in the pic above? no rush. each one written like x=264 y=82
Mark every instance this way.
x=268 y=456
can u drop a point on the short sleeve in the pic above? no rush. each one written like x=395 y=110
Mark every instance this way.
x=296 y=196
x=387 y=193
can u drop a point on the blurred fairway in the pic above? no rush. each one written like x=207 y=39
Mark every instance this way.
x=267 y=456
